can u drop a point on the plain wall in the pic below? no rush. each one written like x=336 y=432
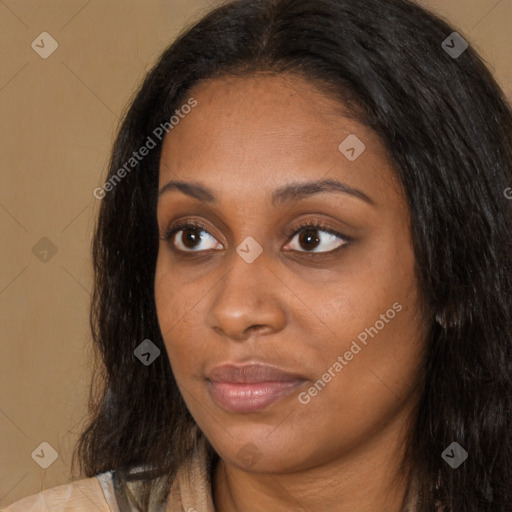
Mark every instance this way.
x=58 y=119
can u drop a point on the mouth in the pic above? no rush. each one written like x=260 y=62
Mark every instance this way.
x=250 y=388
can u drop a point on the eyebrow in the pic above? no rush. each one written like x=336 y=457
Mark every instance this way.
x=282 y=195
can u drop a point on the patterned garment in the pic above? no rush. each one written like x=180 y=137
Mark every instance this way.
x=190 y=492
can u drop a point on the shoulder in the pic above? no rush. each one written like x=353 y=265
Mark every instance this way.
x=86 y=494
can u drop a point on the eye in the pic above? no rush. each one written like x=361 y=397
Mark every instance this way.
x=312 y=235
x=191 y=237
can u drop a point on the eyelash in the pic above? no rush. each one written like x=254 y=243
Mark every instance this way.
x=312 y=224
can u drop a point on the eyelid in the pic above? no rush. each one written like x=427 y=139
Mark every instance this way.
x=318 y=225
x=180 y=225
x=314 y=224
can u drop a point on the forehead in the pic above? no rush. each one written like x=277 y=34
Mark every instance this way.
x=260 y=132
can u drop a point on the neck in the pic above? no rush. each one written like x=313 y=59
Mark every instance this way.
x=368 y=478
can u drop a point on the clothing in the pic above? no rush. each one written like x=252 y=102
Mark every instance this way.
x=191 y=491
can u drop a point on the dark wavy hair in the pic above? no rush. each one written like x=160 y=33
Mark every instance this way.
x=448 y=129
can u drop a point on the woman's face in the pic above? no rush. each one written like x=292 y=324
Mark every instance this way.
x=333 y=306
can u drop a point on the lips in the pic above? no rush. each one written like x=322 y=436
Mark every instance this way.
x=250 y=374
x=250 y=388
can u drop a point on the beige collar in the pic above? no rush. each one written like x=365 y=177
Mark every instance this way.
x=192 y=488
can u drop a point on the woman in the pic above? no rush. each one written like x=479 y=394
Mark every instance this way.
x=303 y=265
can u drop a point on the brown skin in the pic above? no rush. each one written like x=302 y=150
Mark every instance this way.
x=291 y=308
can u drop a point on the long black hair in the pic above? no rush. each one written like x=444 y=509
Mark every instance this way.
x=448 y=129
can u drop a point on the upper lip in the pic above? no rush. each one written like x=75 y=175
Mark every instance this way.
x=251 y=373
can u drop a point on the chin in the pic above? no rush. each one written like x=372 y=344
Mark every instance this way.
x=261 y=449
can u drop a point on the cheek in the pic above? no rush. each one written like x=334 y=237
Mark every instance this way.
x=177 y=310
x=375 y=329
x=165 y=299
x=361 y=386
x=383 y=348
x=175 y=301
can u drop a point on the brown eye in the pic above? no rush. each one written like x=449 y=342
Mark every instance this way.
x=311 y=238
x=191 y=238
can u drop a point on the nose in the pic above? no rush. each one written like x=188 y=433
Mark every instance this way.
x=248 y=300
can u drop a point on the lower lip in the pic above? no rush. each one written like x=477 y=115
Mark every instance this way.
x=247 y=398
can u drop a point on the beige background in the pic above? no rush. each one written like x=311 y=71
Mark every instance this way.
x=58 y=119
